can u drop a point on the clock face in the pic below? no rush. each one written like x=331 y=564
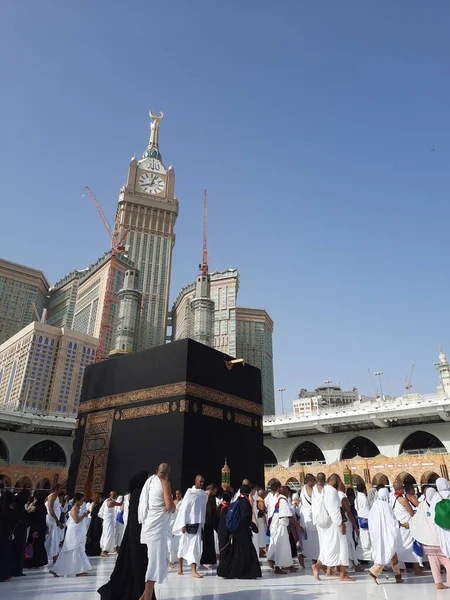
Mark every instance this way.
x=151 y=183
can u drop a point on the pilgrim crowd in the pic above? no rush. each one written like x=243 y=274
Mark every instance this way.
x=151 y=531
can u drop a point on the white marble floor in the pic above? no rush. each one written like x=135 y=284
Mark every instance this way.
x=40 y=585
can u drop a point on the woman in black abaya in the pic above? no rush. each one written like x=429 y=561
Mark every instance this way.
x=95 y=528
x=8 y=524
x=36 y=533
x=222 y=530
x=209 y=557
x=239 y=559
x=127 y=581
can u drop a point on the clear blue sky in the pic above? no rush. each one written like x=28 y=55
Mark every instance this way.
x=311 y=125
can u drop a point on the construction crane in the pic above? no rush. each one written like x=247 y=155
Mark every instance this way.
x=408 y=384
x=116 y=248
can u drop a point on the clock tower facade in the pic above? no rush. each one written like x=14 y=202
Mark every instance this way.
x=148 y=209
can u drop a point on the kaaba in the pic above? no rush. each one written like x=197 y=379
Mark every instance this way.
x=180 y=403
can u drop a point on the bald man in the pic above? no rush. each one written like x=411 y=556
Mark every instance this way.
x=189 y=525
x=155 y=508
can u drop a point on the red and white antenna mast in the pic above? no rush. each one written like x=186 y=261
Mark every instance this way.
x=205 y=234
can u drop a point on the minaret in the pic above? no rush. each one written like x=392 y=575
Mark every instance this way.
x=202 y=306
x=130 y=299
x=443 y=368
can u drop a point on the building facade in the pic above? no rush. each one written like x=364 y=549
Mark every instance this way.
x=324 y=398
x=148 y=209
x=254 y=329
x=77 y=301
x=224 y=290
x=23 y=295
x=41 y=369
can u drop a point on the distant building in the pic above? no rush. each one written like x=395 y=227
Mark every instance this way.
x=203 y=312
x=323 y=398
x=77 y=301
x=254 y=329
x=253 y=343
x=23 y=293
x=41 y=369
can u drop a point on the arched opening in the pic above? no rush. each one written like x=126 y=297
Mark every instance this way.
x=5 y=480
x=273 y=480
x=421 y=442
x=24 y=482
x=293 y=484
x=270 y=460
x=359 y=446
x=356 y=479
x=43 y=484
x=4 y=457
x=406 y=478
x=429 y=478
x=307 y=453
x=46 y=452
x=380 y=479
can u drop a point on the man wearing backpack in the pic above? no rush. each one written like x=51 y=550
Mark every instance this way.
x=327 y=516
x=189 y=525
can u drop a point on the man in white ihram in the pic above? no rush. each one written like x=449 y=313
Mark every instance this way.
x=155 y=508
x=189 y=524
x=326 y=509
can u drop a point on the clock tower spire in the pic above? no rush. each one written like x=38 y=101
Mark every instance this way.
x=153 y=143
x=148 y=209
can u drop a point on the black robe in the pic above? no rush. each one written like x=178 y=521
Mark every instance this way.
x=239 y=559
x=8 y=521
x=20 y=532
x=211 y=521
x=127 y=581
x=36 y=536
x=94 y=532
x=222 y=530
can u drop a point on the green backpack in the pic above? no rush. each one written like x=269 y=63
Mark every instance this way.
x=442 y=514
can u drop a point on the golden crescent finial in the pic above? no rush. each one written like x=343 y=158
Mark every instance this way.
x=154 y=117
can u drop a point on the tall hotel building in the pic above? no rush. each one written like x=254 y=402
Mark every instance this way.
x=148 y=209
x=41 y=369
x=23 y=293
x=76 y=302
x=239 y=332
x=254 y=329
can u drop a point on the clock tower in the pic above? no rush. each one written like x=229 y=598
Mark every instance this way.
x=148 y=209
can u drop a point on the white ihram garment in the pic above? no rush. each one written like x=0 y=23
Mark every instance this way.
x=280 y=548
x=255 y=536
x=108 y=539
x=192 y=512
x=155 y=519
x=443 y=493
x=174 y=540
x=72 y=559
x=364 y=548
x=126 y=509
x=53 y=538
x=405 y=551
x=310 y=538
x=383 y=529
x=349 y=535
x=328 y=519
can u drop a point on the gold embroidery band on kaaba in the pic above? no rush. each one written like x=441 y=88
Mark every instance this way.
x=145 y=411
x=170 y=390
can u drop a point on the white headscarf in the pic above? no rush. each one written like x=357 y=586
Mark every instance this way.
x=383 y=529
x=422 y=525
x=443 y=486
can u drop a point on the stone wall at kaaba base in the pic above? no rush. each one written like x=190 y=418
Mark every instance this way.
x=176 y=403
